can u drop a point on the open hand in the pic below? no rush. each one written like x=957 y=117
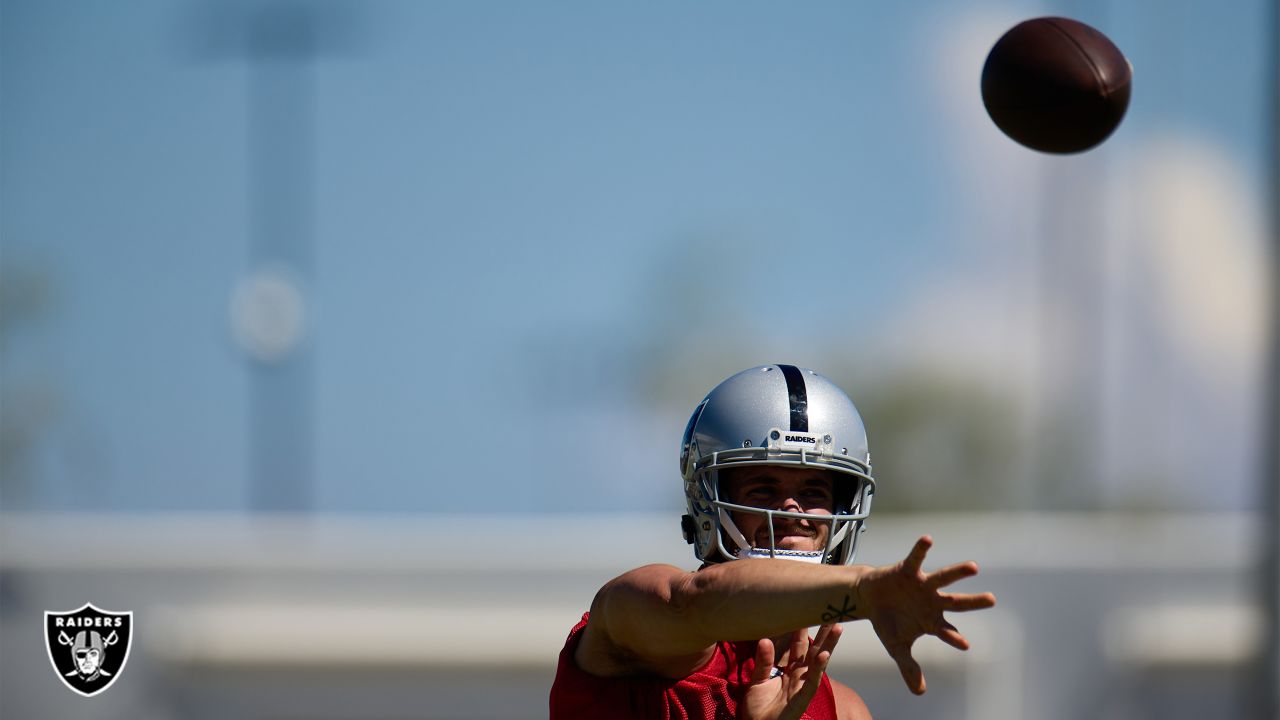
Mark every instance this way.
x=904 y=603
x=786 y=696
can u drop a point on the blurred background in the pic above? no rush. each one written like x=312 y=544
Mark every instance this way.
x=348 y=344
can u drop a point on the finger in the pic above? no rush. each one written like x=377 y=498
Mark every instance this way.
x=764 y=661
x=951 y=574
x=816 y=645
x=813 y=675
x=911 y=672
x=820 y=662
x=916 y=557
x=964 y=603
x=951 y=636
x=833 y=637
x=799 y=647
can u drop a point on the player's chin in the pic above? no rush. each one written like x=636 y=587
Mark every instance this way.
x=805 y=543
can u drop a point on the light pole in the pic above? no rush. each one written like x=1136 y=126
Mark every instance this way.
x=281 y=42
x=281 y=107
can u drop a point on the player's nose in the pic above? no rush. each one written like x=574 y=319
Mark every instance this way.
x=791 y=504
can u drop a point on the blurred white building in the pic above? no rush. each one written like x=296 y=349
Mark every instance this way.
x=1108 y=616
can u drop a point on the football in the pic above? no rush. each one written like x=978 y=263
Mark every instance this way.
x=1056 y=85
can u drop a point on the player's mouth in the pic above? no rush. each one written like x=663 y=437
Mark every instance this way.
x=788 y=538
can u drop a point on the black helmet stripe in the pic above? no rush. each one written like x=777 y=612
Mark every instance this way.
x=798 y=397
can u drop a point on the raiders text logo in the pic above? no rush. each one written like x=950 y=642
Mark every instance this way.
x=88 y=647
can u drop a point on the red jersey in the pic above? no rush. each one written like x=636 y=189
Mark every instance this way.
x=709 y=693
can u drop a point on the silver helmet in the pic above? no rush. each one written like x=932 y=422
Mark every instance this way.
x=774 y=415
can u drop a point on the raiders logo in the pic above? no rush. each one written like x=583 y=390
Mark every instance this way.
x=88 y=647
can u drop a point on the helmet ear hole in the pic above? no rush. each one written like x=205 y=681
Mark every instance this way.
x=690 y=530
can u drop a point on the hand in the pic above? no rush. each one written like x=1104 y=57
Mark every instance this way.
x=903 y=603
x=787 y=696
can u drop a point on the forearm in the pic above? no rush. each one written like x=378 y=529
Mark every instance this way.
x=751 y=599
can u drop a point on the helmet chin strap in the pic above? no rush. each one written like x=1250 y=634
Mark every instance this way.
x=814 y=557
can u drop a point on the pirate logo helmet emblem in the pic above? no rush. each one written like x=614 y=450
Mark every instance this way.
x=88 y=647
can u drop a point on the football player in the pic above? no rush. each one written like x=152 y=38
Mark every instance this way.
x=778 y=481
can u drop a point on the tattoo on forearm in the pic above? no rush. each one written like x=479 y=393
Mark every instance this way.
x=841 y=614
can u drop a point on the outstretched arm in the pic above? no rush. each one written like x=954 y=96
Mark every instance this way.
x=661 y=619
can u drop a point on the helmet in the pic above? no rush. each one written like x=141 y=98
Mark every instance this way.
x=87 y=640
x=776 y=415
x=88 y=650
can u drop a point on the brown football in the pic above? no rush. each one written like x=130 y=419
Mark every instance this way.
x=1056 y=85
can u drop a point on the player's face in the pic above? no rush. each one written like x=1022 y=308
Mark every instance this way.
x=781 y=488
x=87 y=661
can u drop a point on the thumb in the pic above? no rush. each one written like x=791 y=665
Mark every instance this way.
x=764 y=660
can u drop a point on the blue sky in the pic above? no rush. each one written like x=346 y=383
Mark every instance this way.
x=520 y=218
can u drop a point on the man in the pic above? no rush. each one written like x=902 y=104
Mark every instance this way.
x=777 y=478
